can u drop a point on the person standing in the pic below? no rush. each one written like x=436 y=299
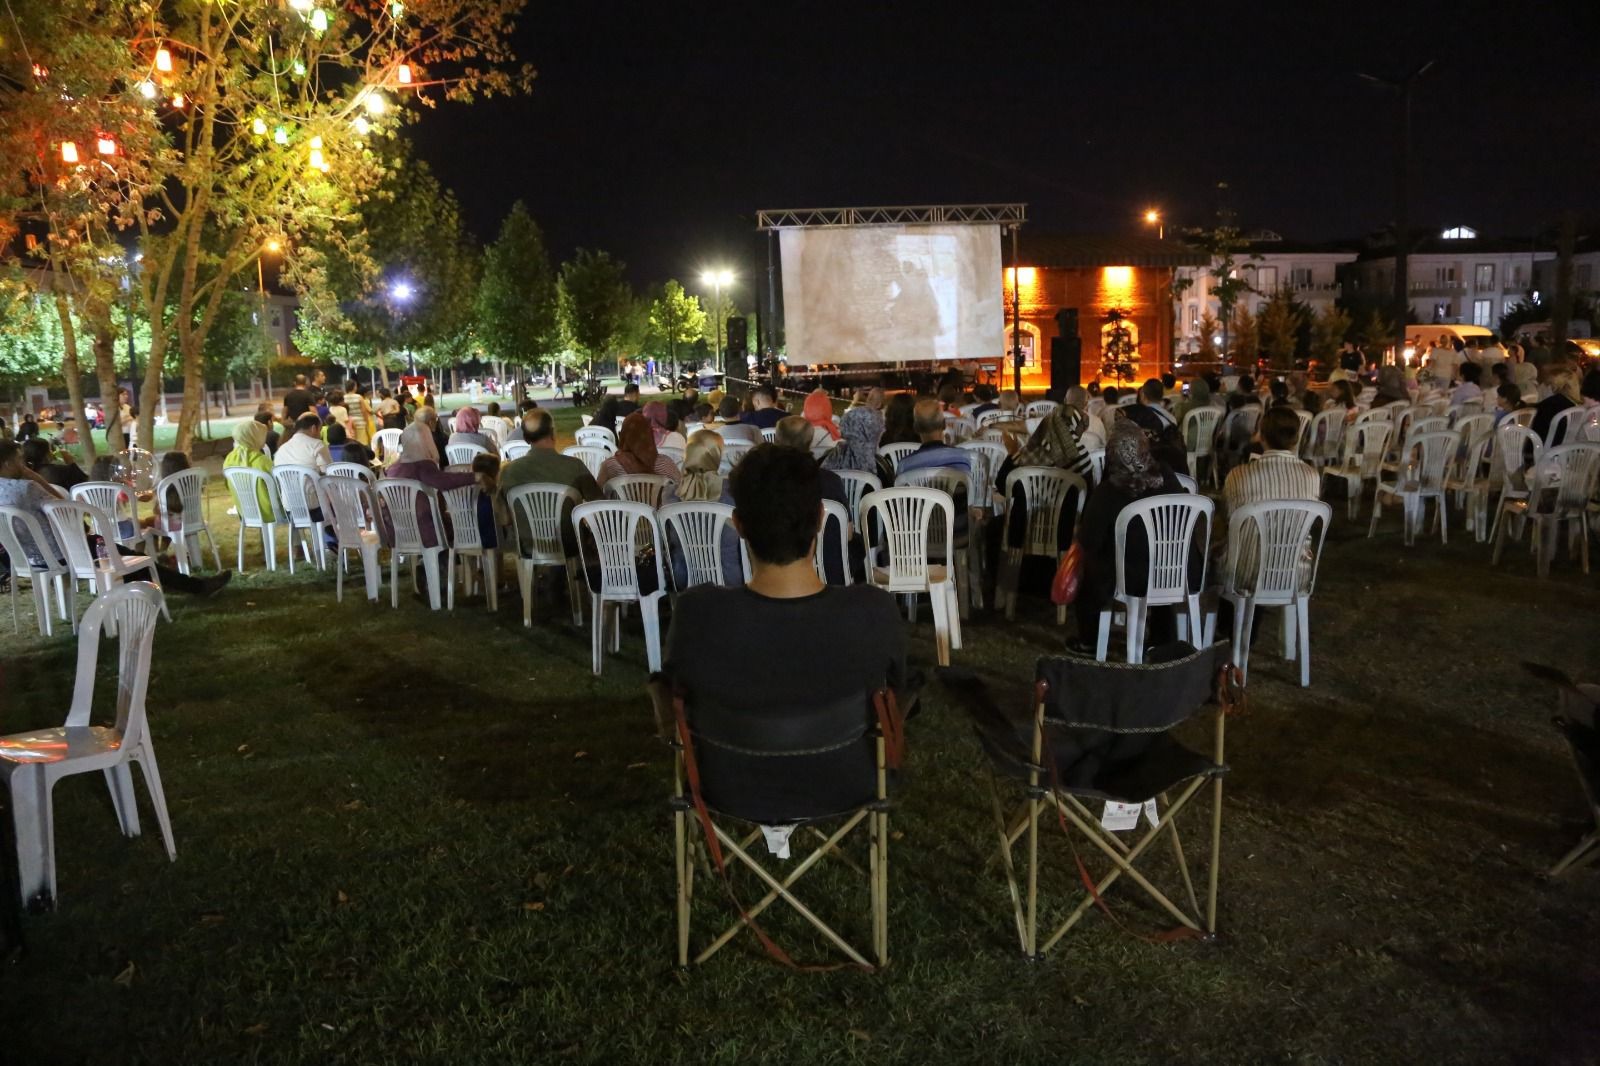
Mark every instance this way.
x=297 y=401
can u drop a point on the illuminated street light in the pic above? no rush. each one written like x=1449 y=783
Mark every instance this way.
x=402 y=291
x=718 y=279
x=1153 y=217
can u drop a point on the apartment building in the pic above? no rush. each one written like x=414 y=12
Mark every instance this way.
x=1455 y=276
x=1268 y=264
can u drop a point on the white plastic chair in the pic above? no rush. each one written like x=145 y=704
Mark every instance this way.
x=1273 y=550
x=1559 y=490
x=900 y=563
x=1470 y=482
x=1364 y=445
x=896 y=452
x=41 y=576
x=542 y=509
x=596 y=437
x=401 y=497
x=466 y=543
x=1514 y=446
x=1564 y=426
x=769 y=435
x=33 y=762
x=463 y=454
x=958 y=428
x=1199 y=431
x=185 y=529
x=989 y=418
x=1324 y=438
x=67 y=520
x=350 y=509
x=617 y=526
x=1189 y=484
x=244 y=482
x=297 y=488
x=1377 y=414
x=1169 y=522
x=1097 y=464
x=1031 y=424
x=1044 y=491
x=639 y=488
x=1240 y=424
x=360 y=471
x=857 y=483
x=592 y=457
x=991 y=456
x=116 y=500
x=673 y=453
x=1419 y=477
x=837 y=515
x=386 y=445
x=695 y=530
x=733 y=453
x=958 y=485
x=514 y=449
x=1039 y=408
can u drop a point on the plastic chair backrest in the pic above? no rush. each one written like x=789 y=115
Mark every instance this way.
x=989 y=418
x=592 y=457
x=1246 y=419
x=112 y=497
x=987 y=458
x=639 y=488
x=896 y=452
x=1364 y=447
x=1044 y=491
x=1097 y=464
x=1189 y=484
x=1169 y=522
x=958 y=428
x=1323 y=438
x=463 y=454
x=1428 y=424
x=1376 y=414
x=245 y=482
x=998 y=436
x=386 y=444
x=360 y=471
x=617 y=527
x=769 y=435
x=349 y=506
x=857 y=483
x=1569 y=471
x=1523 y=416
x=32 y=533
x=461 y=504
x=673 y=453
x=837 y=516
x=133 y=609
x=733 y=452
x=297 y=488
x=514 y=449
x=1032 y=424
x=190 y=488
x=541 y=508
x=1269 y=538
x=1473 y=427
x=906 y=517
x=1471 y=471
x=1199 y=429
x=596 y=437
x=401 y=497
x=697 y=527
x=1039 y=408
x=1512 y=445
x=67 y=520
x=1425 y=457
x=1564 y=426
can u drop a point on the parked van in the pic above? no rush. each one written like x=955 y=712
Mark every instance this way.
x=1422 y=337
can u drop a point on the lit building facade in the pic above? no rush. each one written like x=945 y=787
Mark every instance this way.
x=1268 y=264
x=1454 y=276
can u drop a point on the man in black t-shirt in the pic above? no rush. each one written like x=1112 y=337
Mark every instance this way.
x=783 y=640
x=765 y=412
x=297 y=401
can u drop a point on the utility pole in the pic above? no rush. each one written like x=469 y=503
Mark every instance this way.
x=1016 y=316
x=1402 y=237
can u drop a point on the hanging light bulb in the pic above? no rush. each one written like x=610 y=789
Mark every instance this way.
x=316 y=159
x=147 y=89
x=374 y=102
x=163 y=60
x=397 y=10
x=69 y=152
x=299 y=68
x=106 y=146
x=319 y=21
x=403 y=72
x=363 y=127
x=316 y=142
x=280 y=135
x=177 y=100
x=258 y=126
x=300 y=5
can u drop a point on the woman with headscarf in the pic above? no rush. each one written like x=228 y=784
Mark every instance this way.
x=467 y=431
x=1199 y=395
x=818 y=410
x=899 y=422
x=1056 y=443
x=663 y=425
x=249 y=450
x=703 y=482
x=1525 y=376
x=419 y=461
x=860 y=429
x=636 y=453
x=1131 y=474
x=1391 y=386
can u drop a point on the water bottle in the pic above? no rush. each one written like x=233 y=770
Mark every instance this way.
x=102 y=566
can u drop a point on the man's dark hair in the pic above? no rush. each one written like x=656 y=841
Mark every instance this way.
x=765 y=390
x=264 y=417
x=36 y=453
x=1511 y=394
x=729 y=408
x=1109 y=394
x=1280 y=428
x=542 y=426
x=307 y=421
x=527 y=405
x=1169 y=382
x=1470 y=372
x=703 y=412
x=1279 y=389
x=9 y=450
x=1152 y=391
x=1247 y=383
x=777 y=497
x=630 y=389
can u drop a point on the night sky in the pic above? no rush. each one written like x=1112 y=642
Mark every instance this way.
x=655 y=131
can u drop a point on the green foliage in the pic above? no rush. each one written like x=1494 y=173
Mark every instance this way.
x=1208 y=334
x=1279 y=328
x=1329 y=327
x=676 y=320
x=30 y=338
x=517 y=305
x=236 y=345
x=1246 y=339
x=595 y=303
x=1376 y=332
x=1223 y=245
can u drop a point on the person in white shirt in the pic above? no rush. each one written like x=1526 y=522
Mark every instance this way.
x=306 y=447
x=1443 y=361
x=1469 y=390
x=1276 y=474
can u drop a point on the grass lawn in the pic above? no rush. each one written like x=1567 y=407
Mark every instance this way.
x=409 y=836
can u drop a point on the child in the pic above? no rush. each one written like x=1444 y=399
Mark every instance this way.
x=491 y=508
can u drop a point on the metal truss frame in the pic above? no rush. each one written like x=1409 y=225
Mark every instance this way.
x=927 y=214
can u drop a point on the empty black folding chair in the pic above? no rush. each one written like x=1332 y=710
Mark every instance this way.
x=803 y=767
x=1579 y=724
x=1102 y=732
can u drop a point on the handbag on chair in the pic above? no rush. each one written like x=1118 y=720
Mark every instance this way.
x=1064 y=586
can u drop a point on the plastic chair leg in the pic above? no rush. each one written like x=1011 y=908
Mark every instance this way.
x=394 y=579
x=430 y=568
x=269 y=545
x=941 y=623
x=650 y=613
x=41 y=601
x=146 y=758
x=1134 y=631
x=240 y=567
x=450 y=580
x=1302 y=611
x=371 y=572
x=30 y=811
x=525 y=584
x=338 y=578
x=575 y=592
x=597 y=630
x=490 y=565
x=1289 y=639
x=1103 y=640
x=953 y=613
x=120 y=783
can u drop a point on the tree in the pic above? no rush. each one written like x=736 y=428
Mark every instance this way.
x=1247 y=340
x=1279 y=327
x=1222 y=244
x=595 y=303
x=676 y=319
x=1329 y=327
x=250 y=119
x=1208 y=337
x=1376 y=332
x=517 y=299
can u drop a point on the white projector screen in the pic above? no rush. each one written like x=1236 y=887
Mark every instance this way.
x=888 y=294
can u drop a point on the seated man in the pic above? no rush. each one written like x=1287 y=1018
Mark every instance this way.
x=795 y=432
x=1469 y=390
x=630 y=401
x=927 y=418
x=1277 y=473
x=766 y=413
x=544 y=464
x=62 y=472
x=785 y=639
x=730 y=427
x=306 y=447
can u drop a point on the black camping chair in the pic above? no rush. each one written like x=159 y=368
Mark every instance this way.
x=801 y=767
x=1102 y=731
x=1579 y=724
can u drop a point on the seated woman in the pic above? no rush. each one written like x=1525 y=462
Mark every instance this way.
x=818 y=411
x=663 y=425
x=61 y=470
x=419 y=461
x=1056 y=443
x=899 y=425
x=860 y=429
x=249 y=450
x=636 y=453
x=468 y=431
x=1131 y=475
x=702 y=460
x=1344 y=395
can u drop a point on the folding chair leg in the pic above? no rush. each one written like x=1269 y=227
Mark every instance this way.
x=1582 y=853
x=1183 y=863
x=682 y=854
x=1007 y=862
x=1030 y=946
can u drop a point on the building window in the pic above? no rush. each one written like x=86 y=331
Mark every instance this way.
x=1516 y=275
x=1300 y=277
x=1028 y=342
x=1585 y=276
x=1445 y=275
x=1484 y=276
x=1194 y=317
x=1266 y=278
x=1481 y=312
x=1459 y=233
x=277 y=320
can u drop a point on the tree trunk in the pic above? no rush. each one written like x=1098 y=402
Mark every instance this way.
x=1561 y=306
x=69 y=366
x=383 y=366
x=105 y=361
x=194 y=388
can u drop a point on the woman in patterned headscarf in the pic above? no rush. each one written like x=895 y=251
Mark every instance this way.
x=1056 y=442
x=1131 y=474
x=859 y=431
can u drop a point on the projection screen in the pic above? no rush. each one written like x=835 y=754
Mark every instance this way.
x=892 y=294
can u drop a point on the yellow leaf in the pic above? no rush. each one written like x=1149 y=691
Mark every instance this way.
x=533 y=906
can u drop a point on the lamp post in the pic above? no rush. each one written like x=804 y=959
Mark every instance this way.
x=1152 y=217
x=400 y=294
x=717 y=279
x=273 y=246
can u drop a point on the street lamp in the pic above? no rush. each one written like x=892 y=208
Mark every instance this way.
x=402 y=291
x=717 y=279
x=1152 y=217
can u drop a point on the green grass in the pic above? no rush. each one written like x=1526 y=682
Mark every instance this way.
x=408 y=836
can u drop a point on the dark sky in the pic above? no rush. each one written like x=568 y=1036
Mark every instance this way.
x=655 y=131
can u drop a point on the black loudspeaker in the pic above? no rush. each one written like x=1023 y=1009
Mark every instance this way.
x=1066 y=353
x=738 y=342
